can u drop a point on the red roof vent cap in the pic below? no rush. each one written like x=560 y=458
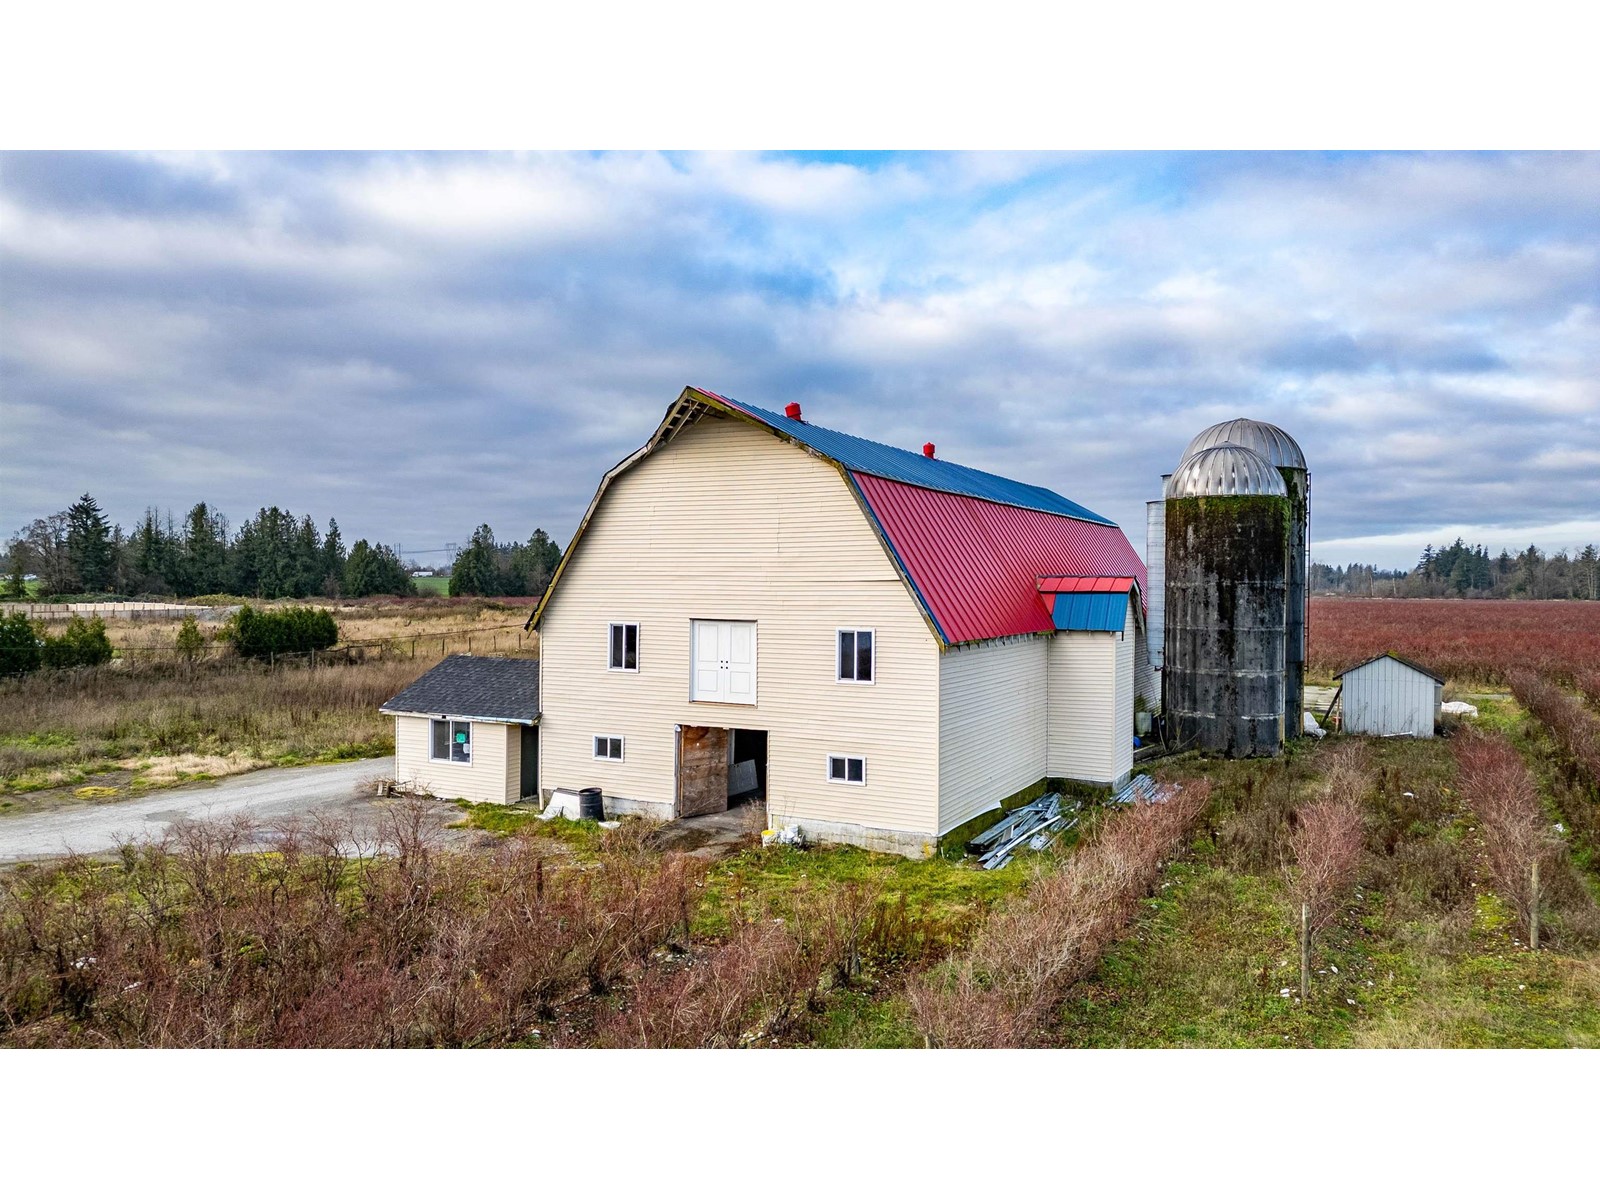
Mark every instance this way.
x=927 y=449
x=792 y=411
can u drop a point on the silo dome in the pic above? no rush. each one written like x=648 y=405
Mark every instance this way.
x=1270 y=442
x=1226 y=470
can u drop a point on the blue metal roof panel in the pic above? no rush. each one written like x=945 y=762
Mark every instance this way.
x=1102 y=612
x=907 y=466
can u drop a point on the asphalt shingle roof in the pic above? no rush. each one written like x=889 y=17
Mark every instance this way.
x=500 y=689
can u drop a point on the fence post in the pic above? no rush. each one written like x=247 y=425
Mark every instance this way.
x=1533 y=914
x=1305 y=953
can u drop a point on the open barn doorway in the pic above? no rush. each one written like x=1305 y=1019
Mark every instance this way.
x=747 y=767
x=719 y=768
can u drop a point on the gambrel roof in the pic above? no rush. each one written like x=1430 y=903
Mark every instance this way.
x=971 y=546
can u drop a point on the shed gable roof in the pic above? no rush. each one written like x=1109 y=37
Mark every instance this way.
x=494 y=689
x=1405 y=662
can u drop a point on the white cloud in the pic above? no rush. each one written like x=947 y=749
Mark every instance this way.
x=1415 y=320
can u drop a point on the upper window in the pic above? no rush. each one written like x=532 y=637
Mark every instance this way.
x=625 y=647
x=608 y=747
x=856 y=663
x=451 y=742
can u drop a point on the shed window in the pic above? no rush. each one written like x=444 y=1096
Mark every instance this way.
x=856 y=656
x=451 y=741
x=625 y=647
x=847 y=768
x=608 y=747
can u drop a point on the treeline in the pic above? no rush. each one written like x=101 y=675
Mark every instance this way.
x=1469 y=572
x=273 y=555
x=486 y=567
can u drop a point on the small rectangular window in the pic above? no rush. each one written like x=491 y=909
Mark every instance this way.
x=847 y=768
x=608 y=747
x=450 y=741
x=624 y=647
x=856 y=661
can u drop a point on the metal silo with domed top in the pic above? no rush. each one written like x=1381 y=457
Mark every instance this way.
x=1284 y=453
x=1227 y=532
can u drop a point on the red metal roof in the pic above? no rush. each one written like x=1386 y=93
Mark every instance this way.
x=976 y=564
x=1066 y=584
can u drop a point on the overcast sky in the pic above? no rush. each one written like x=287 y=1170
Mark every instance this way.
x=419 y=343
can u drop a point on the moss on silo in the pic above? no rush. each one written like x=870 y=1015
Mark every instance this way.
x=1227 y=559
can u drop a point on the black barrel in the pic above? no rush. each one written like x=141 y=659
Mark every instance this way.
x=591 y=805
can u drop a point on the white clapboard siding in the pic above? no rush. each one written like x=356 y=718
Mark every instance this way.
x=1387 y=697
x=492 y=777
x=991 y=725
x=729 y=523
x=1090 y=720
x=1122 y=730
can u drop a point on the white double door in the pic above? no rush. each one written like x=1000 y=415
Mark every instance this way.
x=724 y=658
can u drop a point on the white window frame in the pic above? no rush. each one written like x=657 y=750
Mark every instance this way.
x=838 y=675
x=608 y=738
x=846 y=759
x=624 y=626
x=452 y=722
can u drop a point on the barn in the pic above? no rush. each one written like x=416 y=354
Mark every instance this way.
x=876 y=643
x=468 y=730
x=1390 y=697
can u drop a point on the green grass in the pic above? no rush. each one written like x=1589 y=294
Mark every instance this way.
x=507 y=819
x=432 y=585
x=1424 y=953
x=935 y=890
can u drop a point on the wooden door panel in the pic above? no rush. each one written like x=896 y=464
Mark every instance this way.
x=702 y=770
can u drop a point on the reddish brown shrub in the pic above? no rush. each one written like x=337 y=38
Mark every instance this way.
x=194 y=942
x=1574 y=727
x=1007 y=988
x=1327 y=839
x=1501 y=792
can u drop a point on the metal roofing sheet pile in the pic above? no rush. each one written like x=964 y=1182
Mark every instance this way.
x=976 y=564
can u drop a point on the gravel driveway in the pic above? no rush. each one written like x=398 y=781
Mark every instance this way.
x=275 y=794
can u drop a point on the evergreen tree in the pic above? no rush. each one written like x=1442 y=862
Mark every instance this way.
x=89 y=545
x=307 y=558
x=155 y=565
x=205 y=553
x=375 y=571
x=15 y=586
x=333 y=560
x=19 y=643
x=475 y=571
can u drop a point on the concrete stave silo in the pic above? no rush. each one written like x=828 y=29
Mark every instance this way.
x=1283 y=452
x=1227 y=528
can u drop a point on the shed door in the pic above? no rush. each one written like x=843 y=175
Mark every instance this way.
x=724 y=662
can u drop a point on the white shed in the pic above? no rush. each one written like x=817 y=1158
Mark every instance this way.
x=469 y=730
x=1390 y=697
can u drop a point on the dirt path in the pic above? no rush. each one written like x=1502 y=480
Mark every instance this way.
x=273 y=795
